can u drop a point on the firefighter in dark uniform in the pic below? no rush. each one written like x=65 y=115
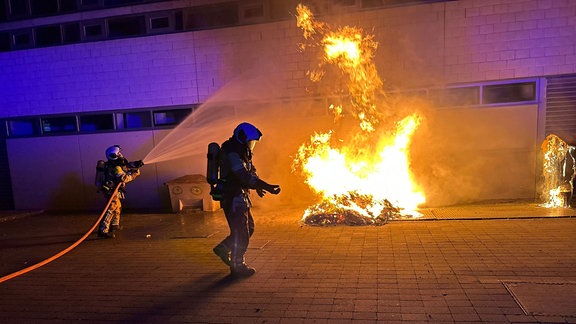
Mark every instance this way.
x=117 y=171
x=238 y=176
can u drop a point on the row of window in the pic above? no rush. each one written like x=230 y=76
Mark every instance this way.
x=95 y=122
x=215 y=15
x=152 y=23
x=486 y=94
x=11 y=10
x=93 y=30
x=517 y=92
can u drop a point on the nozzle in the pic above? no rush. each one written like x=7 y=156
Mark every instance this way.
x=136 y=164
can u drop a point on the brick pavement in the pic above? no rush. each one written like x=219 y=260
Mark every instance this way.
x=438 y=271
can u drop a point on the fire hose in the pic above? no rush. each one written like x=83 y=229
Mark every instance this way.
x=68 y=249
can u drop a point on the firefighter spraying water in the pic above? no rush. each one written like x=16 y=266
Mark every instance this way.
x=116 y=171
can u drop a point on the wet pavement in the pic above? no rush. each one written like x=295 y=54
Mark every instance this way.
x=493 y=263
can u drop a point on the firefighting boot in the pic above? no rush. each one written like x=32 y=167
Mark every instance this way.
x=223 y=252
x=240 y=269
x=104 y=229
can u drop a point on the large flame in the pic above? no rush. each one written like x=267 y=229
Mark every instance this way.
x=367 y=170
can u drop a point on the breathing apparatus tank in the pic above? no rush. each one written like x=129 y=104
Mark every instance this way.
x=213 y=166
x=213 y=171
x=100 y=179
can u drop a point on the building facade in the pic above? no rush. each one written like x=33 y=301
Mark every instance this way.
x=78 y=76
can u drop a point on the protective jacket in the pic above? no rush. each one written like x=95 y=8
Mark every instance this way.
x=237 y=177
x=117 y=172
x=237 y=172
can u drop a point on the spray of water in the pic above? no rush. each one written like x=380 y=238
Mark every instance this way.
x=258 y=96
x=247 y=98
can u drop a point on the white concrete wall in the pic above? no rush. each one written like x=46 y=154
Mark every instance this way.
x=503 y=39
x=419 y=46
x=459 y=41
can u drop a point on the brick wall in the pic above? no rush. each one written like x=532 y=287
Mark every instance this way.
x=503 y=39
x=459 y=41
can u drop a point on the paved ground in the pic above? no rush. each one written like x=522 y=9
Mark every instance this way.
x=504 y=263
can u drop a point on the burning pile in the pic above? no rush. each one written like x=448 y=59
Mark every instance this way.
x=363 y=176
x=350 y=209
x=558 y=171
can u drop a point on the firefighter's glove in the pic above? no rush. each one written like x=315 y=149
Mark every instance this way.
x=136 y=164
x=261 y=193
x=273 y=189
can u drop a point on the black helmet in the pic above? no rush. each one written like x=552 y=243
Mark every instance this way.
x=246 y=132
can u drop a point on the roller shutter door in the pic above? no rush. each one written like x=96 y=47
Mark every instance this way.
x=561 y=107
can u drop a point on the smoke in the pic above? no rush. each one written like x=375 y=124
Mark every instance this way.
x=470 y=154
x=257 y=96
x=457 y=155
x=242 y=99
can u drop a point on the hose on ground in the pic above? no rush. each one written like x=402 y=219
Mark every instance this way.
x=68 y=249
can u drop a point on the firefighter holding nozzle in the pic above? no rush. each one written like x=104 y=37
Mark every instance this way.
x=115 y=171
x=237 y=176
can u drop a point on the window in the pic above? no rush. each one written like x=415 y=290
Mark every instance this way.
x=112 y=3
x=22 y=39
x=93 y=123
x=3 y=11
x=24 y=127
x=139 y=119
x=170 y=117
x=91 y=3
x=253 y=11
x=509 y=92
x=44 y=7
x=126 y=26
x=71 y=33
x=178 y=20
x=68 y=5
x=48 y=36
x=4 y=42
x=19 y=8
x=94 y=30
x=59 y=125
x=159 y=23
x=211 y=16
x=461 y=96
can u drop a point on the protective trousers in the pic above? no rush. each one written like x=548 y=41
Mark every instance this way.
x=112 y=216
x=241 y=224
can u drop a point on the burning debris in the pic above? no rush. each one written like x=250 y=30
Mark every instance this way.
x=363 y=176
x=559 y=167
x=351 y=209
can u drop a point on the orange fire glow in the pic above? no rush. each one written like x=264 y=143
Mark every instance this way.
x=556 y=180
x=372 y=161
